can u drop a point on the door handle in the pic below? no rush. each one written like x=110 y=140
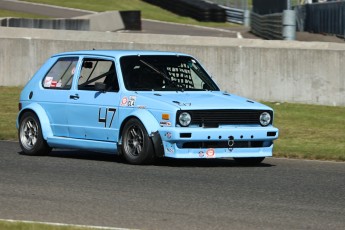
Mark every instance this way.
x=75 y=96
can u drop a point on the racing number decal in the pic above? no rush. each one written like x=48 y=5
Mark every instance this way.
x=104 y=120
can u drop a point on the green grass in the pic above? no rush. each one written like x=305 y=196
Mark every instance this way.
x=9 y=97
x=306 y=131
x=310 y=131
x=148 y=11
x=10 y=225
x=15 y=14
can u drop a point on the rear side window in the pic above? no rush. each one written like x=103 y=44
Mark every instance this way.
x=60 y=76
x=95 y=71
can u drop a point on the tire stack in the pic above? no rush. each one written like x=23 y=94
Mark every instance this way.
x=197 y=9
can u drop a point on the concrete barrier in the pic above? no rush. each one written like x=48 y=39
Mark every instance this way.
x=285 y=71
x=56 y=24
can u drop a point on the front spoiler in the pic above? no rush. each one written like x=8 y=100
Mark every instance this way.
x=173 y=141
x=174 y=152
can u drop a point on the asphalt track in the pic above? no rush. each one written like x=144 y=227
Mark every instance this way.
x=87 y=188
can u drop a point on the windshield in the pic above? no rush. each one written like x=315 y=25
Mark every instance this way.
x=164 y=73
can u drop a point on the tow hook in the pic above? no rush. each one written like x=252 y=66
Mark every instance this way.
x=231 y=141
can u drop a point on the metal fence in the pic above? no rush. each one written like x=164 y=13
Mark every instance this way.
x=325 y=18
x=237 y=4
x=237 y=11
x=267 y=26
x=271 y=19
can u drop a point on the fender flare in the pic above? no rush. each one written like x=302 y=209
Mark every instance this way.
x=42 y=116
x=152 y=127
x=149 y=121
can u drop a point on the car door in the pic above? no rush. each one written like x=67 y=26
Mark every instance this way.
x=56 y=87
x=93 y=113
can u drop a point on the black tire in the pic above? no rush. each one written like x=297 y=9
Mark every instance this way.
x=137 y=147
x=30 y=136
x=249 y=161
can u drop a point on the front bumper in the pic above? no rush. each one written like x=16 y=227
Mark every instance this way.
x=222 y=142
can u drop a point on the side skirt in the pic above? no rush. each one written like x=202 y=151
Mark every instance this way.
x=98 y=146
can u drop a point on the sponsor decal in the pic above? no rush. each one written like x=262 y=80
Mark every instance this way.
x=124 y=101
x=165 y=123
x=170 y=150
x=141 y=107
x=168 y=135
x=131 y=101
x=201 y=154
x=210 y=153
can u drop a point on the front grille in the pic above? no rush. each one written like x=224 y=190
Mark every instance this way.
x=213 y=118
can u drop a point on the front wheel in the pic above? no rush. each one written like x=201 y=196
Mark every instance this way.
x=250 y=161
x=137 y=146
x=30 y=135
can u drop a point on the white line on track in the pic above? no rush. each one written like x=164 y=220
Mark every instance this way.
x=65 y=225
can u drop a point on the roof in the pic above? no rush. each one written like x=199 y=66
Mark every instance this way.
x=117 y=53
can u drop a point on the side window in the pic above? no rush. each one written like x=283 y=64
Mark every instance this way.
x=98 y=71
x=61 y=74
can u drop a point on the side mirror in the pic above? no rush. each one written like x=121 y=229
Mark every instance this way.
x=100 y=86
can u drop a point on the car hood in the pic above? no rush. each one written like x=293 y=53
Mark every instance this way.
x=188 y=100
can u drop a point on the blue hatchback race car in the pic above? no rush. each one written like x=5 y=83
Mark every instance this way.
x=141 y=105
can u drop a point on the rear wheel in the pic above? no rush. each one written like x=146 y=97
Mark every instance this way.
x=30 y=135
x=249 y=160
x=137 y=146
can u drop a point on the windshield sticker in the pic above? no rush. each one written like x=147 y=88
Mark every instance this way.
x=53 y=84
x=59 y=83
x=47 y=81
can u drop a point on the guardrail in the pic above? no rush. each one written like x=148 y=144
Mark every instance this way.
x=278 y=26
x=267 y=26
x=236 y=10
x=235 y=15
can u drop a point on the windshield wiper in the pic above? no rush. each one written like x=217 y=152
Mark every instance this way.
x=165 y=77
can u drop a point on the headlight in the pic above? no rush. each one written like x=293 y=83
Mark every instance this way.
x=265 y=119
x=184 y=119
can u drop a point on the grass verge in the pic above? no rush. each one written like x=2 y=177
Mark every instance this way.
x=18 y=225
x=9 y=97
x=310 y=131
x=148 y=11
x=15 y=14
x=306 y=131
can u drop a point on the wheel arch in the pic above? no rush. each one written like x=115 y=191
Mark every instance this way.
x=151 y=125
x=42 y=117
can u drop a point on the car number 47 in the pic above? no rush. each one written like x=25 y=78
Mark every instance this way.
x=105 y=118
